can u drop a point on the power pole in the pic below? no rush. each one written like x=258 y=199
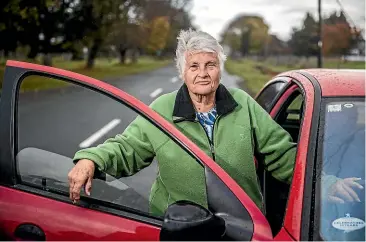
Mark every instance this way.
x=320 y=42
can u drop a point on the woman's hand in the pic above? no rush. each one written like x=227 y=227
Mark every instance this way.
x=343 y=190
x=81 y=174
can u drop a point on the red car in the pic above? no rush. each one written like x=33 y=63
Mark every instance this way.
x=323 y=110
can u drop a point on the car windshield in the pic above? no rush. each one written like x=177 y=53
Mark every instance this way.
x=343 y=170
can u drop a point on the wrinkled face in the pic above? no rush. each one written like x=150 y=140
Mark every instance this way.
x=202 y=73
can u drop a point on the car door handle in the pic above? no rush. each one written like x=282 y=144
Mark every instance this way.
x=29 y=232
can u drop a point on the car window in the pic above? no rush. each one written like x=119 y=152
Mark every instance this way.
x=290 y=114
x=267 y=97
x=342 y=159
x=55 y=123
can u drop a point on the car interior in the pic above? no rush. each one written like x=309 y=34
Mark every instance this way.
x=275 y=192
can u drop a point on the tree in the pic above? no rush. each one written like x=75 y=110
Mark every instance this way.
x=336 y=39
x=246 y=34
x=304 y=41
x=176 y=12
x=337 y=36
x=159 y=30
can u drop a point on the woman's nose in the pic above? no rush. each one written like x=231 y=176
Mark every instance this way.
x=203 y=72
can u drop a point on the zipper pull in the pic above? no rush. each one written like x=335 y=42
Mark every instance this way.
x=212 y=149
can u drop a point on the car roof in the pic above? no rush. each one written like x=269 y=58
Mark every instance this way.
x=339 y=82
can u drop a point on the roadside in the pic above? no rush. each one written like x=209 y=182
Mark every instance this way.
x=255 y=74
x=104 y=69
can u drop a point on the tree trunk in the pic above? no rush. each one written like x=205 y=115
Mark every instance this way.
x=122 y=55
x=6 y=54
x=134 y=55
x=75 y=54
x=93 y=53
x=47 y=59
x=33 y=52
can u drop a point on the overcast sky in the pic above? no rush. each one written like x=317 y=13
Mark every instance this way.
x=281 y=15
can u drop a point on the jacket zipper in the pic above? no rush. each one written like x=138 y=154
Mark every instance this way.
x=212 y=144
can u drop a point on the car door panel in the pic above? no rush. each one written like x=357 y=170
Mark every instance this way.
x=60 y=220
x=58 y=217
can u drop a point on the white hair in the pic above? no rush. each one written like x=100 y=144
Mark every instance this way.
x=190 y=41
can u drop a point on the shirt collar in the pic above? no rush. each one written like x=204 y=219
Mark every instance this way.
x=184 y=110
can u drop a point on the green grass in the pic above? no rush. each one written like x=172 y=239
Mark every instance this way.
x=257 y=74
x=335 y=64
x=254 y=79
x=103 y=69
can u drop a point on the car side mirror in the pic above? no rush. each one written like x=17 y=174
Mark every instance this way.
x=185 y=220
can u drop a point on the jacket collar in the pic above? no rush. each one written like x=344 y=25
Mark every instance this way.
x=184 y=110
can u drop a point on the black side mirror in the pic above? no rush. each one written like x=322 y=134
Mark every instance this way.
x=185 y=221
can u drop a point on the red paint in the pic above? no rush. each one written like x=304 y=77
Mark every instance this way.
x=262 y=229
x=332 y=83
x=283 y=235
x=292 y=220
x=337 y=82
x=68 y=222
x=340 y=82
x=282 y=99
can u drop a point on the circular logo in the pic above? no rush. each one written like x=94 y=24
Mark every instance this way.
x=348 y=223
x=348 y=105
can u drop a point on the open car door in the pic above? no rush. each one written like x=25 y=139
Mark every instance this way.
x=40 y=132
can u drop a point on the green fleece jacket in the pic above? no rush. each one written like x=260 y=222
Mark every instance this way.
x=243 y=129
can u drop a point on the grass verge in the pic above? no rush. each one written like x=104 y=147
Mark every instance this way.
x=103 y=69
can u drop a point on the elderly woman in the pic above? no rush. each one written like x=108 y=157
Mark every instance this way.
x=226 y=123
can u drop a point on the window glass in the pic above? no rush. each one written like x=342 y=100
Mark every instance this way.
x=267 y=96
x=290 y=114
x=56 y=122
x=342 y=213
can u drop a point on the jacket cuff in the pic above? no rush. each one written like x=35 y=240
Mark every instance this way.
x=99 y=167
x=326 y=183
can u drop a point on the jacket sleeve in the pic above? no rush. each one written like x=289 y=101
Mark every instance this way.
x=125 y=154
x=273 y=145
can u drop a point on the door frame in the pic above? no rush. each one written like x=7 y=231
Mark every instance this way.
x=298 y=217
x=16 y=71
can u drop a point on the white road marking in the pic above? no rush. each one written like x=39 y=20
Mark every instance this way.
x=97 y=135
x=156 y=92
x=174 y=79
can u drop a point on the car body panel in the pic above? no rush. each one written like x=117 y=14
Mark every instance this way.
x=295 y=205
x=337 y=82
x=283 y=235
x=56 y=218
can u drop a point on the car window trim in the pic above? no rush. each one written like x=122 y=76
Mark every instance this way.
x=273 y=82
x=298 y=88
x=307 y=208
x=288 y=102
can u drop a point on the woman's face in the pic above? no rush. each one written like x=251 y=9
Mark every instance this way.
x=202 y=73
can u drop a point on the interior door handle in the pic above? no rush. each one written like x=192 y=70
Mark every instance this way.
x=29 y=232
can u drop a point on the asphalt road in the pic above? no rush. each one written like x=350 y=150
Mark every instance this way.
x=67 y=120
